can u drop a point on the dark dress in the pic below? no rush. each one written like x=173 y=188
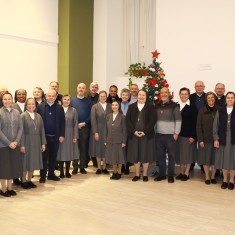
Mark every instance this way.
x=141 y=149
x=185 y=152
x=225 y=154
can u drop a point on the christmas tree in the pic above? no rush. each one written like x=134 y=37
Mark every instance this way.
x=155 y=80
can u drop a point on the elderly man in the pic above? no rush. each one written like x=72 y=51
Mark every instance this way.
x=198 y=98
x=83 y=107
x=55 y=86
x=167 y=129
x=220 y=97
x=134 y=89
x=54 y=124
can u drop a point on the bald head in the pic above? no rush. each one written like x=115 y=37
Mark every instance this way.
x=81 y=89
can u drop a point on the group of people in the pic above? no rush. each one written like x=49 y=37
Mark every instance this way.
x=53 y=130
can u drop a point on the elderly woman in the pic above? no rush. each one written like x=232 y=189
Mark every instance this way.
x=140 y=120
x=99 y=112
x=11 y=130
x=224 y=140
x=38 y=94
x=33 y=143
x=206 y=151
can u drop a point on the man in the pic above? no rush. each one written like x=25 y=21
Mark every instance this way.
x=167 y=129
x=55 y=86
x=134 y=89
x=198 y=100
x=54 y=124
x=3 y=90
x=83 y=107
x=93 y=95
x=220 y=97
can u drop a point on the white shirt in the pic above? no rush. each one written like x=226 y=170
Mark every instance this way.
x=182 y=104
x=32 y=115
x=140 y=106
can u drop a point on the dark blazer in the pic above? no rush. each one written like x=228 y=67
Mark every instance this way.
x=95 y=98
x=110 y=100
x=205 y=120
x=189 y=121
x=60 y=118
x=149 y=119
x=193 y=97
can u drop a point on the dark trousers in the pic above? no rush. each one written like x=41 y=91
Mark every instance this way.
x=165 y=144
x=49 y=157
x=83 y=146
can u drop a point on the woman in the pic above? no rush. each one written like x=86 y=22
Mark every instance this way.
x=224 y=140
x=11 y=129
x=93 y=95
x=20 y=98
x=186 y=144
x=99 y=112
x=33 y=143
x=140 y=119
x=115 y=136
x=38 y=94
x=68 y=149
x=206 y=151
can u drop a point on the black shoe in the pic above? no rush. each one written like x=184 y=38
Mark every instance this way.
x=113 y=177
x=171 y=179
x=83 y=171
x=224 y=185
x=42 y=180
x=75 y=171
x=213 y=181
x=118 y=176
x=136 y=178
x=230 y=186
x=32 y=185
x=155 y=174
x=53 y=177
x=68 y=175
x=207 y=182
x=179 y=177
x=62 y=175
x=185 y=178
x=105 y=171
x=25 y=185
x=17 y=181
x=160 y=178
x=12 y=192
x=6 y=194
x=145 y=178
x=98 y=172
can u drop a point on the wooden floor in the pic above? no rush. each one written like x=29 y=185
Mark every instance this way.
x=91 y=204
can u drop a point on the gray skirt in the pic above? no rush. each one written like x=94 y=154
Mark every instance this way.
x=206 y=155
x=141 y=149
x=11 y=163
x=225 y=157
x=115 y=154
x=185 y=152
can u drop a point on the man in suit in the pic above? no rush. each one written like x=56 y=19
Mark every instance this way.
x=83 y=107
x=54 y=124
x=198 y=100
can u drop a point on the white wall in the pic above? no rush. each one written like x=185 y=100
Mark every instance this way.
x=195 y=38
x=196 y=41
x=28 y=43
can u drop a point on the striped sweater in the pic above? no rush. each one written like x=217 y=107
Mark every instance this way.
x=168 y=118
